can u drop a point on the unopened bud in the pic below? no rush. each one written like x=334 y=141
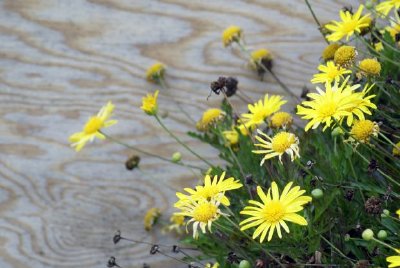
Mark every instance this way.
x=317 y=193
x=176 y=157
x=336 y=132
x=244 y=264
x=368 y=234
x=382 y=234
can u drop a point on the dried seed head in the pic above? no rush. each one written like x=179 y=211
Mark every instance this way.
x=117 y=237
x=373 y=205
x=132 y=162
x=349 y=195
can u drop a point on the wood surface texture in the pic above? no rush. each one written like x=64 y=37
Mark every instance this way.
x=61 y=60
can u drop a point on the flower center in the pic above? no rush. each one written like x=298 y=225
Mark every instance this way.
x=273 y=211
x=282 y=141
x=93 y=125
x=209 y=191
x=349 y=26
x=363 y=129
x=204 y=212
x=327 y=109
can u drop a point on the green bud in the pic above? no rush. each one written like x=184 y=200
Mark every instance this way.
x=385 y=213
x=347 y=237
x=382 y=234
x=244 y=264
x=337 y=131
x=317 y=193
x=369 y=4
x=368 y=234
x=176 y=157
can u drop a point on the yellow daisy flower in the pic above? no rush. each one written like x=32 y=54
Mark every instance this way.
x=350 y=23
x=149 y=103
x=150 y=218
x=260 y=110
x=394 y=261
x=281 y=120
x=210 y=189
x=396 y=152
x=202 y=213
x=335 y=103
x=283 y=142
x=329 y=73
x=155 y=72
x=370 y=67
x=329 y=51
x=384 y=7
x=210 y=117
x=272 y=213
x=231 y=34
x=231 y=136
x=92 y=127
x=362 y=130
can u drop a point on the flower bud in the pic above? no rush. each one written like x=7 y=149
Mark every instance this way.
x=368 y=234
x=176 y=157
x=382 y=234
x=385 y=213
x=244 y=264
x=337 y=131
x=347 y=237
x=317 y=193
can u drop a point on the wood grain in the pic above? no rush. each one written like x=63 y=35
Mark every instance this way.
x=62 y=60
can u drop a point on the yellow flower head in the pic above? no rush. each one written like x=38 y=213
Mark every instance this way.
x=370 y=67
x=176 y=224
x=329 y=51
x=202 y=213
x=155 y=72
x=215 y=265
x=210 y=117
x=350 y=24
x=150 y=218
x=212 y=189
x=394 y=261
x=394 y=28
x=398 y=212
x=396 y=152
x=334 y=104
x=283 y=142
x=345 y=56
x=231 y=34
x=362 y=130
x=281 y=120
x=378 y=46
x=274 y=210
x=329 y=73
x=260 y=54
x=92 y=127
x=260 y=110
x=384 y=7
x=149 y=103
x=231 y=136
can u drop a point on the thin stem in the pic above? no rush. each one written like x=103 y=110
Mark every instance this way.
x=180 y=142
x=388 y=140
x=316 y=21
x=371 y=47
x=384 y=244
x=336 y=249
x=147 y=153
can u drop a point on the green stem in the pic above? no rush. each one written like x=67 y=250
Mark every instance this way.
x=388 y=140
x=384 y=244
x=147 y=153
x=316 y=21
x=372 y=48
x=180 y=142
x=337 y=250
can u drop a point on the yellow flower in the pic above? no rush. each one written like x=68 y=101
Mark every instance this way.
x=350 y=23
x=177 y=222
x=394 y=261
x=93 y=126
x=150 y=218
x=283 y=142
x=329 y=51
x=329 y=73
x=334 y=104
x=149 y=104
x=378 y=46
x=210 y=189
x=231 y=34
x=384 y=7
x=370 y=67
x=396 y=152
x=231 y=136
x=394 y=28
x=362 y=130
x=210 y=117
x=398 y=212
x=155 y=72
x=215 y=265
x=272 y=213
x=260 y=110
x=260 y=54
x=281 y=120
x=202 y=213
x=345 y=56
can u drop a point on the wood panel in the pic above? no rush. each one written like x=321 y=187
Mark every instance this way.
x=61 y=60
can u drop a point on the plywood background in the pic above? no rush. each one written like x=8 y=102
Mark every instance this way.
x=61 y=60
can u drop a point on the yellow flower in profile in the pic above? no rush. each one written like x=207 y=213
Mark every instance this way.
x=150 y=218
x=364 y=129
x=394 y=261
x=396 y=152
x=92 y=127
x=283 y=142
x=378 y=46
x=370 y=67
x=384 y=7
x=202 y=213
x=260 y=110
x=155 y=72
x=329 y=51
x=272 y=213
x=350 y=24
x=149 y=103
x=361 y=103
x=231 y=34
x=394 y=28
x=176 y=224
x=210 y=117
x=231 y=136
x=345 y=56
x=211 y=189
x=329 y=73
x=281 y=120
x=260 y=54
